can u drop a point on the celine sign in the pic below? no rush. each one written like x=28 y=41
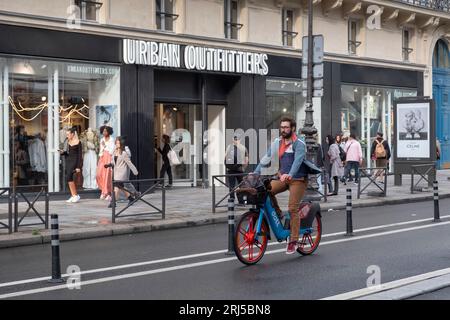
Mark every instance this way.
x=193 y=58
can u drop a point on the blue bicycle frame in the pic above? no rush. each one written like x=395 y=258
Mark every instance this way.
x=269 y=213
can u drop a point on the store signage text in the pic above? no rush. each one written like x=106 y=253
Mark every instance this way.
x=193 y=57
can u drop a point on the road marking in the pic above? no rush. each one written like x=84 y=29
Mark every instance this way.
x=204 y=263
x=196 y=255
x=388 y=285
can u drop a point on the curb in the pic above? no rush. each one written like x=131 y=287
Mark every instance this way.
x=161 y=225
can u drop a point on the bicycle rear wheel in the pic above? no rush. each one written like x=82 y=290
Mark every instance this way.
x=310 y=240
x=248 y=246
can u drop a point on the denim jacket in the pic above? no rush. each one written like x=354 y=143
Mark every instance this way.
x=300 y=166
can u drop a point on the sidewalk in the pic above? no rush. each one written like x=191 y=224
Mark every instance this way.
x=185 y=207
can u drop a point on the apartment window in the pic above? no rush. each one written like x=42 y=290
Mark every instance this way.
x=165 y=14
x=288 y=27
x=353 y=44
x=406 y=50
x=89 y=10
x=231 y=19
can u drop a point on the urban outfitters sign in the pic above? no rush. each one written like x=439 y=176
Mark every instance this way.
x=193 y=57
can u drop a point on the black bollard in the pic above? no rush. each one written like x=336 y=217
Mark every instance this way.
x=437 y=217
x=349 y=213
x=56 y=261
x=230 y=226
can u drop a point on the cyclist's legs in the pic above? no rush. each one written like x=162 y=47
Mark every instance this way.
x=277 y=187
x=296 y=191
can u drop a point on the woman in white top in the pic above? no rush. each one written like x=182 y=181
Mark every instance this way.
x=104 y=175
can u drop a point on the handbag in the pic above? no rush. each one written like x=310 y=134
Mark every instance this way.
x=173 y=159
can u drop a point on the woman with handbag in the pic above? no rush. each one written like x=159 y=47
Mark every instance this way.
x=73 y=162
x=166 y=163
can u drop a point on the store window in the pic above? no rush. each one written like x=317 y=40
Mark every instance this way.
x=44 y=98
x=284 y=98
x=165 y=14
x=231 y=19
x=368 y=110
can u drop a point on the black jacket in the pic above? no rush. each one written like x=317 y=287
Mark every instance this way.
x=165 y=150
x=386 y=147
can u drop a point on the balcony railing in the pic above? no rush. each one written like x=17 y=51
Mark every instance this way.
x=438 y=5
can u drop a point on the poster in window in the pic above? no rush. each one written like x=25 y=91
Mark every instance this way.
x=413 y=130
x=107 y=115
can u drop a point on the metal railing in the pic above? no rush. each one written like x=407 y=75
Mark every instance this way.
x=226 y=184
x=368 y=173
x=3 y=193
x=437 y=5
x=429 y=168
x=155 y=183
x=30 y=197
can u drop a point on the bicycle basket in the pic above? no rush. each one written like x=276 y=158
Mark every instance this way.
x=252 y=188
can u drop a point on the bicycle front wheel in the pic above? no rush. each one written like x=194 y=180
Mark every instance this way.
x=311 y=238
x=249 y=246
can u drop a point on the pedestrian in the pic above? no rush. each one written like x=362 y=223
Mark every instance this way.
x=236 y=161
x=73 y=163
x=381 y=153
x=337 y=167
x=320 y=164
x=166 y=163
x=353 y=158
x=438 y=150
x=122 y=166
x=104 y=174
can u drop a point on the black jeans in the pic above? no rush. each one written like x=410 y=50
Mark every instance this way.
x=348 y=168
x=233 y=181
x=166 y=168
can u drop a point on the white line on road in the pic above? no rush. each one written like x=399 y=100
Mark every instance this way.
x=203 y=254
x=203 y=263
x=388 y=285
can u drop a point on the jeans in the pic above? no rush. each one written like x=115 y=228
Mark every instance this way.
x=348 y=168
x=296 y=189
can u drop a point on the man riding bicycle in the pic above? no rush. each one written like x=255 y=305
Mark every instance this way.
x=293 y=174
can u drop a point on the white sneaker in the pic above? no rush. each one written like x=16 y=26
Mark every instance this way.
x=108 y=198
x=102 y=197
x=75 y=198
x=69 y=200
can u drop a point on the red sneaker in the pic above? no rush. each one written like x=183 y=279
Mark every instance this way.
x=291 y=247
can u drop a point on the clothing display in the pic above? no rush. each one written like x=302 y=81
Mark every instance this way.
x=38 y=155
x=91 y=148
x=104 y=175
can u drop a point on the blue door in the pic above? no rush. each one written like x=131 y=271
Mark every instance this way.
x=441 y=96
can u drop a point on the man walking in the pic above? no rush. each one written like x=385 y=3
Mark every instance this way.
x=381 y=152
x=236 y=160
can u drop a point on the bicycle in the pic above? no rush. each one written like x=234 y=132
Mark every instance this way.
x=254 y=227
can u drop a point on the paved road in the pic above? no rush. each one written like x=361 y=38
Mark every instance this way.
x=339 y=265
x=443 y=294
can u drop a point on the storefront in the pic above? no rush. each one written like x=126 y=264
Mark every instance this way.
x=145 y=89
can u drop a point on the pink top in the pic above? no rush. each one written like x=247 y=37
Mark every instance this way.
x=353 y=150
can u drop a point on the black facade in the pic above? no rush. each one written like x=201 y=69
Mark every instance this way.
x=244 y=96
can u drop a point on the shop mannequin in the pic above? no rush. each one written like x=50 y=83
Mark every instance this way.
x=91 y=147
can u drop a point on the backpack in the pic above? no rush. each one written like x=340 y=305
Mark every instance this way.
x=380 y=151
x=342 y=153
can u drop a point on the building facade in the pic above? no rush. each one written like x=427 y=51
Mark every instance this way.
x=184 y=67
